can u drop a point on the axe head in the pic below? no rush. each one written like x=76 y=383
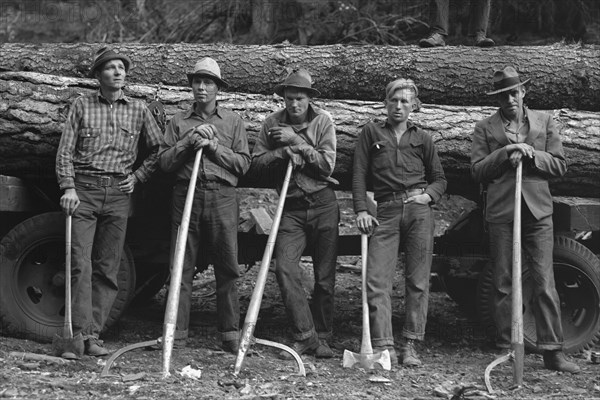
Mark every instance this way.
x=367 y=360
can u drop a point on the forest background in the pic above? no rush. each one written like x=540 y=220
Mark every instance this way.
x=301 y=22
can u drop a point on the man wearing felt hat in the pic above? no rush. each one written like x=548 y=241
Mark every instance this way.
x=304 y=134
x=94 y=167
x=400 y=162
x=212 y=235
x=517 y=134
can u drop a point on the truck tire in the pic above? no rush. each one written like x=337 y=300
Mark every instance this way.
x=32 y=295
x=577 y=279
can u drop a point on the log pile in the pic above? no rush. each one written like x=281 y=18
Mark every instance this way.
x=33 y=107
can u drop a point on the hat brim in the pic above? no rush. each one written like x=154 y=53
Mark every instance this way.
x=280 y=89
x=508 y=87
x=99 y=62
x=220 y=82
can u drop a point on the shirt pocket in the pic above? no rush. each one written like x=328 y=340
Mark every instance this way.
x=129 y=137
x=413 y=157
x=89 y=139
x=380 y=155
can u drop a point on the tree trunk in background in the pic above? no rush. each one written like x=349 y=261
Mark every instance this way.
x=34 y=107
x=562 y=76
x=263 y=21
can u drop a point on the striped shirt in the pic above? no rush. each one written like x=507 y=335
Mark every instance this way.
x=100 y=138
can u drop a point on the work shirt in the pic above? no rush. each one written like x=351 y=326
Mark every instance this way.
x=229 y=161
x=393 y=166
x=316 y=143
x=101 y=138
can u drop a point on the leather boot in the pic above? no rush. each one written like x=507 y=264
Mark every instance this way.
x=557 y=361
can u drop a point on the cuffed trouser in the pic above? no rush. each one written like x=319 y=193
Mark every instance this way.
x=312 y=220
x=212 y=230
x=98 y=236
x=536 y=249
x=412 y=225
x=478 y=17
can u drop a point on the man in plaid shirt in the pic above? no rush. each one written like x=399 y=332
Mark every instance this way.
x=94 y=163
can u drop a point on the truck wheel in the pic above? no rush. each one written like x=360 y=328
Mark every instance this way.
x=577 y=278
x=32 y=294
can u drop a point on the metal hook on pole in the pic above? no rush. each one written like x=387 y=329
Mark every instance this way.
x=252 y=315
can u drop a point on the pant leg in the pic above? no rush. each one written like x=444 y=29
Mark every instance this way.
x=501 y=259
x=83 y=233
x=290 y=244
x=106 y=255
x=417 y=236
x=538 y=241
x=323 y=223
x=479 y=16
x=381 y=263
x=439 y=17
x=220 y=227
x=193 y=241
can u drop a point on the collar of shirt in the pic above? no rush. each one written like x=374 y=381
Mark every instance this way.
x=192 y=111
x=409 y=125
x=122 y=97
x=515 y=137
x=284 y=118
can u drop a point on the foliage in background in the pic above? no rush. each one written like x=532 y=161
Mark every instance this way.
x=304 y=22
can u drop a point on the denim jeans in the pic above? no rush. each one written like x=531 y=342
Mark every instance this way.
x=312 y=220
x=410 y=226
x=479 y=15
x=98 y=236
x=212 y=232
x=536 y=249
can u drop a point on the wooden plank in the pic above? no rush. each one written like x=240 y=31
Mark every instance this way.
x=262 y=220
x=576 y=213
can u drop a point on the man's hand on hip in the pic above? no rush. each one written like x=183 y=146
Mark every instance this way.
x=128 y=184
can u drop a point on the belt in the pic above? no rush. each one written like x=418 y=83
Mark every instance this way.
x=209 y=185
x=100 y=180
x=403 y=195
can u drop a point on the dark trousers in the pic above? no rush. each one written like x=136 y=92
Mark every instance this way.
x=536 y=249
x=411 y=225
x=98 y=236
x=478 y=17
x=213 y=230
x=312 y=220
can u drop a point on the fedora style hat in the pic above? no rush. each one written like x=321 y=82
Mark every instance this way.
x=300 y=80
x=207 y=67
x=105 y=54
x=506 y=79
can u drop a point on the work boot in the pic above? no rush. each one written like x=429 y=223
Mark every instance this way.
x=434 y=40
x=482 y=41
x=409 y=354
x=94 y=347
x=230 y=346
x=391 y=350
x=306 y=346
x=557 y=361
x=323 y=351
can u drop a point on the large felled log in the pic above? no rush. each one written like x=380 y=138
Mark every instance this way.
x=562 y=76
x=34 y=107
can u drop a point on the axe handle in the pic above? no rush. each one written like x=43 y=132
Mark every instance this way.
x=68 y=327
x=517 y=290
x=365 y=346
x=261 y=278
x=178 y=258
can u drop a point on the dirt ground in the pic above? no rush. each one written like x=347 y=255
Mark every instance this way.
x=455 y=354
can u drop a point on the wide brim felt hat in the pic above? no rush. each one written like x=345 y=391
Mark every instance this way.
x=106 y=54
x=301 y=80
x=506 y=79
x=209 y=68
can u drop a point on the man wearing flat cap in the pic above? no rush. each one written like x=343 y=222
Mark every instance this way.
x=517 y=134
x=94 y=167
x=212 y=235
x=401 y=164
x=304 y=134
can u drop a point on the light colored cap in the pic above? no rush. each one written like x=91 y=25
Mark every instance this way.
x=208 y=67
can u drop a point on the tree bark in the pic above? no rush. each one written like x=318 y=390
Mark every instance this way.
x=34 y=107
x=562 y=76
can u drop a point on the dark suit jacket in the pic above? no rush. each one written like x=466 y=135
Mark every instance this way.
x=491 y=167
